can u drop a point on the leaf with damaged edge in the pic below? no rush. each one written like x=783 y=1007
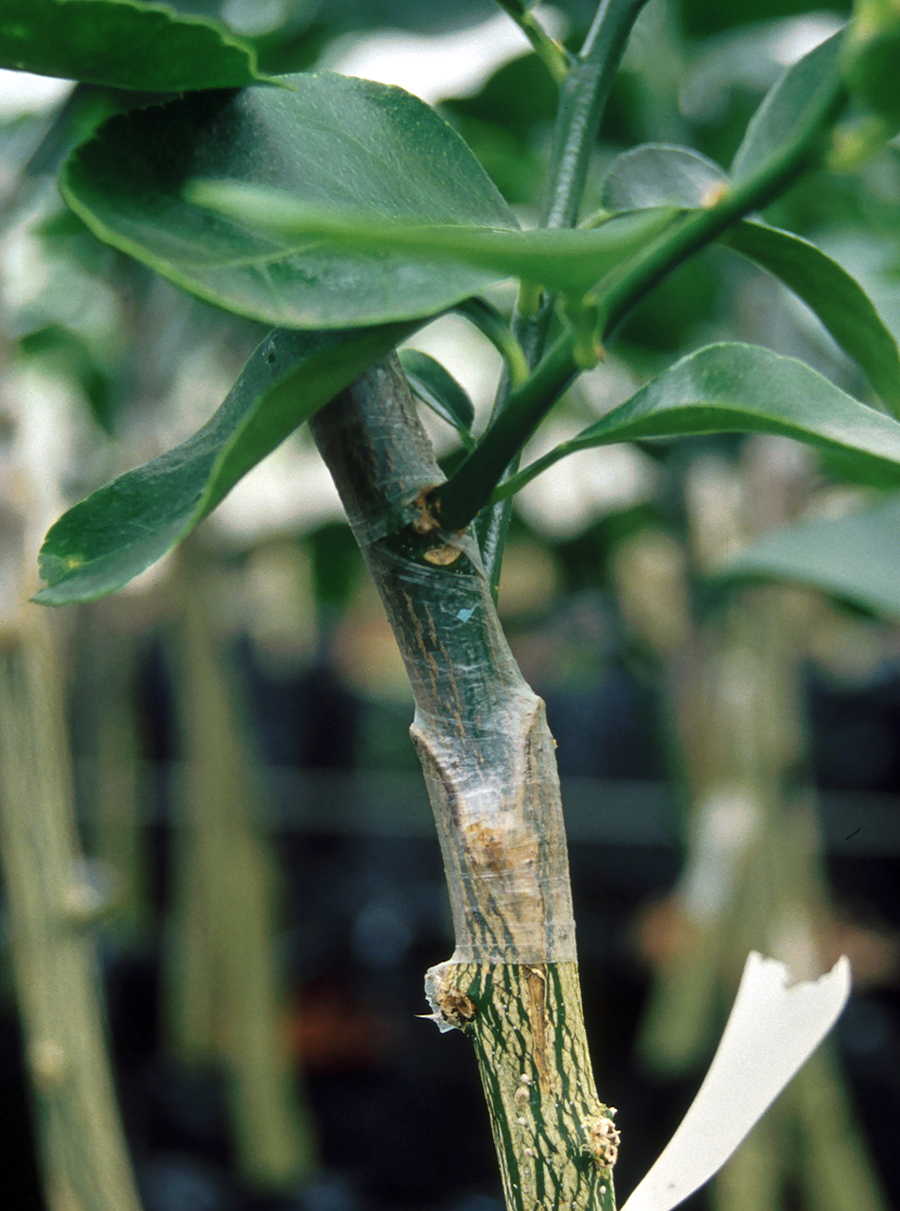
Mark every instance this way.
x=773 y=1029
x=121 y=529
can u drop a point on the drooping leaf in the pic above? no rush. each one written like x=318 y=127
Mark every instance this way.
x=788 y=107
x=559 y=258
x=855 y=558
x=333 y=143
x=123 y=44
x=437 y=388
x=834 y=295
x=660 y=175
x=124 y=527
x=735 y=388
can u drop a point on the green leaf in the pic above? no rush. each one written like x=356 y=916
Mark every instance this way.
x=787 y=109
x=843 y=307
x=734 y=388
x=122 y=44
x=437 y=388
x=661 y=175
x=871 y=58
x=333 y=143
x=561 y=259
x=124 y=527
x=855 y=558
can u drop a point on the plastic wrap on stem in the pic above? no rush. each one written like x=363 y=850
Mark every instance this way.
x=481 y=733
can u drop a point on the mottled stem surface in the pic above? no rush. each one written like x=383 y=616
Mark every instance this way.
x=488 y=757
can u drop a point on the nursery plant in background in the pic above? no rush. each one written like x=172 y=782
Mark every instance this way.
x=347 y=215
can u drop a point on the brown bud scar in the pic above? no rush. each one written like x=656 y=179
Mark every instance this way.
x=714 y=195
x=442 y=556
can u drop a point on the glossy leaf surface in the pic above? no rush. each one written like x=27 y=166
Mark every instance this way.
x=855 y=558
x=660 y=175
x=734 y=388
x=124 y=527
x=122 y=44
x=332 y=143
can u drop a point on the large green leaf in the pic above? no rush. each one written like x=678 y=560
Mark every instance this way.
x=657 y=175
x=787 y=109
x=122 y=44
x=124 y=527
x=559 y=258
x=330 y=141
x=734 y=388
x=855 y=558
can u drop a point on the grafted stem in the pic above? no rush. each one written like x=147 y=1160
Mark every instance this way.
x=512 y=983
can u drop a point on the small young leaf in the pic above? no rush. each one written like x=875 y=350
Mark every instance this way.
x=773 y=1029
x=332 y=142
x=123 y=44
x=734 y=388
x=660 y=174
x=785 y=112
x=437 y=388
x=124 y=527
x=855 y=558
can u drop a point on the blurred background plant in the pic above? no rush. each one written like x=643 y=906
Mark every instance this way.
x=730 y=755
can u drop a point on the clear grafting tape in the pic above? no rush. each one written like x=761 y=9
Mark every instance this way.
x=489 y=763
x=481 y=732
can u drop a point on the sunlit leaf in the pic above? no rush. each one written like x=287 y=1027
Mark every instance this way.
x=855 y=558
x=124 y=527
x=333 y=143
x=734 y=388
x=122 y=44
